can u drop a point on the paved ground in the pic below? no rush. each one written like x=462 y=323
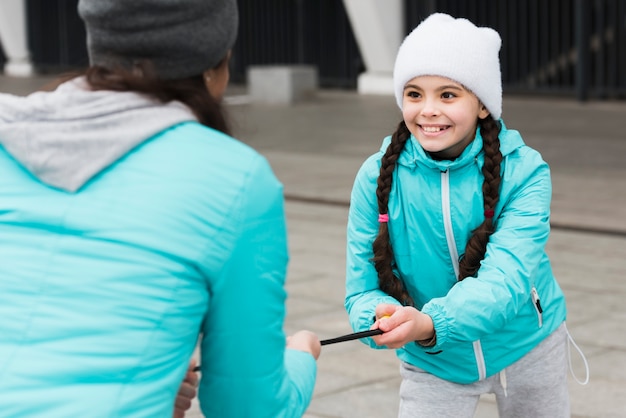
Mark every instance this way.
x=316 y=148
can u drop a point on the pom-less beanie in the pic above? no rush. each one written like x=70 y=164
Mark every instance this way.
x=181 y=38
x=456 y=49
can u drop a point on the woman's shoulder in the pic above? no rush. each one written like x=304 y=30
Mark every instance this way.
x=200 y=137
x=194 y=144
x=192 y=157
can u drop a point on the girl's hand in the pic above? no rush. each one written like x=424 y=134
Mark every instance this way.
x=401 y=325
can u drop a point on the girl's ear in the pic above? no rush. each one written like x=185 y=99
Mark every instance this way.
x=482 y=112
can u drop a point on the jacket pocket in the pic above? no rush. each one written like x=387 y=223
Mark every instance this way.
x=537 y=304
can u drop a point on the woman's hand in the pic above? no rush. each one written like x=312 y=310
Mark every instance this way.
x=401 y=325
x=186 y=392
x=305 y=341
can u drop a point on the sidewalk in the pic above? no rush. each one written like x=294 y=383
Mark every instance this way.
x=316 y=148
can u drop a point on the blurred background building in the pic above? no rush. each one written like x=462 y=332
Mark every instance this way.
x=558 y=47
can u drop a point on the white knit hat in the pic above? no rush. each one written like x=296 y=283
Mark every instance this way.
x=456 y=49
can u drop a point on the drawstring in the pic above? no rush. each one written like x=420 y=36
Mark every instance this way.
x=503 y=381
x=570 y=342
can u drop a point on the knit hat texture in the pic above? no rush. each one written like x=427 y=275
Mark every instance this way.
x=182 y=38
x=456 y=49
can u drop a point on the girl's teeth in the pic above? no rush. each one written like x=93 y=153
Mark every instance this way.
x=431 y=129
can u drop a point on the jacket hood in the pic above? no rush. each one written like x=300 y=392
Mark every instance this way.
x=67 y=136
x=413 y=153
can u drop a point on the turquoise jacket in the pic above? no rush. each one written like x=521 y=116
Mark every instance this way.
x=106 y=290
x=483 y=323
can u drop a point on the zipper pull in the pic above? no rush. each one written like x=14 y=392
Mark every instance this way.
x=537 y=303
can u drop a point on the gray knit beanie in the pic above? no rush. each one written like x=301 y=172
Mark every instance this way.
x=181 y=38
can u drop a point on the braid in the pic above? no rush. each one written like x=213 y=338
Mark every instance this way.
x=477 y=244
x=383 y=253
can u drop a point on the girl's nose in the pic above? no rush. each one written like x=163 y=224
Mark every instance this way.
x=430 y=108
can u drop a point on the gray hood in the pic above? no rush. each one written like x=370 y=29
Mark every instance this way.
x=67 y=136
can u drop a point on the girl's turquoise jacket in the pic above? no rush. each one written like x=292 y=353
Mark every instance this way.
x=483 y=323
x=107 y=285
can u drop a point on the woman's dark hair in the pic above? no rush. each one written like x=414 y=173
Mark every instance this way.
x=142 y=79
x=476 y=245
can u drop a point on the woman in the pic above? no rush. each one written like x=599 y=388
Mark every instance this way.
x=132 y=224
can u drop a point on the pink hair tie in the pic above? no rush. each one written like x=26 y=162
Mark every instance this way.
x=383 y=217
x=489 y=213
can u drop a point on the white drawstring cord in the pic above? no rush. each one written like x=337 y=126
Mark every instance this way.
x=503 y=381
x=570 y=342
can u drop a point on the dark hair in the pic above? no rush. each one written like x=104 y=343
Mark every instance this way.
x=476 y=245
x=142 y=79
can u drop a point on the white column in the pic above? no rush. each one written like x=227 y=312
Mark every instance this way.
x=379 y=29
x=14 y=38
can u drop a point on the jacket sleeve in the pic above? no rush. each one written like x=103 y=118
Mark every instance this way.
x=362 y=291
x=480 y=305
x=246 y=369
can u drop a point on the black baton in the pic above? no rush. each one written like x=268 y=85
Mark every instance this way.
x=354 y=336
x=347 y=337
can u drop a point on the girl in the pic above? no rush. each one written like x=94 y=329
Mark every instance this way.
x=446 y=239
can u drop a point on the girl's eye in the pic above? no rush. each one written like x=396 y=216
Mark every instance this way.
x=413 y=94
x=448 y=95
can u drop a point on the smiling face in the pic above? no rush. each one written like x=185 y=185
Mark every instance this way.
x=441 y=114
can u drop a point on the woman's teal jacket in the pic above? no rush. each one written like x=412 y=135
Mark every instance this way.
x=106 y=285
x=484 y=323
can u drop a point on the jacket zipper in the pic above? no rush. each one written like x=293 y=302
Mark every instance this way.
x=447 y=221
x=537 y=305
x=454 y=255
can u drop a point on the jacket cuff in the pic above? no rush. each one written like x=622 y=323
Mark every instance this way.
x=441 y=328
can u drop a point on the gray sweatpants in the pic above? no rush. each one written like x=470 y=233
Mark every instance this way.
x=534 y=386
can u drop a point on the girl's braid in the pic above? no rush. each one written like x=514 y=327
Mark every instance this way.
x=477 y=244
x=383 y=253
